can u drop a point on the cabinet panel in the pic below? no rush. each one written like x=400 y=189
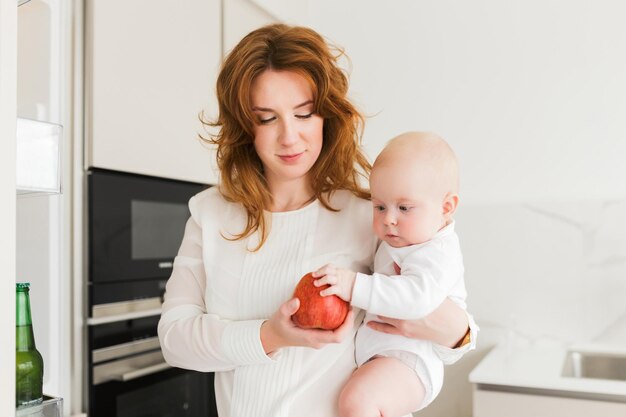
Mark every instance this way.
x=504 y=404
x=151 y=67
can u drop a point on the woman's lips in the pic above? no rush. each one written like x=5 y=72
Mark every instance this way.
x=291 y=158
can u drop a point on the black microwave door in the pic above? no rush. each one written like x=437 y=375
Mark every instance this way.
x=136 y=224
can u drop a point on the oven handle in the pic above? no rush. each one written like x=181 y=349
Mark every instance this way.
x=138 y=373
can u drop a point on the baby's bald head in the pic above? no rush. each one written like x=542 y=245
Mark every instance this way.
x=425 y=155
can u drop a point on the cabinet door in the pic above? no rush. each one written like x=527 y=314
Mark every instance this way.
x=506 y=404
x=151 y=67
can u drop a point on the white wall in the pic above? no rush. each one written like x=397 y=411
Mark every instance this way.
x=239 y=18
x=532 y=96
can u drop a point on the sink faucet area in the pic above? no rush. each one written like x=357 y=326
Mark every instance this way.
x=581 y=364
x=550 y=378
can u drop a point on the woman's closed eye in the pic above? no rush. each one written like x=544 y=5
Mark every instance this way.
x=304 y=116
x=270 y=119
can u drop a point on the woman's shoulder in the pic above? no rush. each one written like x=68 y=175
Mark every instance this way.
x=207 y=197
x=349 y=230
x=351 y=210
x=345 y=200
x=211 y=202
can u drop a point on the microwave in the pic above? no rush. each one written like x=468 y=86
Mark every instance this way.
x=136 y=224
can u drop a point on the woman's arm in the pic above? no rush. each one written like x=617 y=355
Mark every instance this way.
x=447 y=326
x=191 y=337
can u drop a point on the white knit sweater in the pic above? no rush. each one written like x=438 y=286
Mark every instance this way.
x=220 y=293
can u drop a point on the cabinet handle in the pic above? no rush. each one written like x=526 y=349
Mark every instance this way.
x=129 y=376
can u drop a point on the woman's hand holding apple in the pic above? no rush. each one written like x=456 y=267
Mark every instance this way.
x=280 y=331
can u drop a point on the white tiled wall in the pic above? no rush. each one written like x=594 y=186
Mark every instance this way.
x=546 y=270
x=536 y=272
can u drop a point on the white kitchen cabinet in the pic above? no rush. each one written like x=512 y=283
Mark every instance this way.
x=524 y=381
x=150 y=69
x=509 y=404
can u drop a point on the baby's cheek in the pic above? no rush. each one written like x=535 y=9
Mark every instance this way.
x=378 y=227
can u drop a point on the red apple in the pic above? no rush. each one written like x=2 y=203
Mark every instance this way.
x=317 y=312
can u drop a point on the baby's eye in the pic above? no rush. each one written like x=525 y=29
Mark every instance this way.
x=379 y=208
x=405 y=208
x=304 y=116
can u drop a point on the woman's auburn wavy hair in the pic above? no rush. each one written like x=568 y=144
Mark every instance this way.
x=341 y=163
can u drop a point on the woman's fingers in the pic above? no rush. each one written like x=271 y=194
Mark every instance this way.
x=290 y=307
x=386 y=325
x=280 y=331
x=317 y=338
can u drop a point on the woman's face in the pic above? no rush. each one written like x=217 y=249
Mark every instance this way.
x=288 y=134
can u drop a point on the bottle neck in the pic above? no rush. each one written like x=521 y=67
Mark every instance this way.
x=24 y=337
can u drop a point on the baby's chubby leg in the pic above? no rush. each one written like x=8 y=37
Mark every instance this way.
x=382 y=386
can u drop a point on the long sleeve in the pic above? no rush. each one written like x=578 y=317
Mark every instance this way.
x=429 y=274
x=190 y=337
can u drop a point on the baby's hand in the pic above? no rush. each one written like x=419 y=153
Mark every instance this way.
x=341 y=281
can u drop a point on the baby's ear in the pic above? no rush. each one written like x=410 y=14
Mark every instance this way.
x=450 y=203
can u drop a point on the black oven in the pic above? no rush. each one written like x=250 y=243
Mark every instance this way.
x=135 y=226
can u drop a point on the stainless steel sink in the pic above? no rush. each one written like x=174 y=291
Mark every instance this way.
x=580 y=364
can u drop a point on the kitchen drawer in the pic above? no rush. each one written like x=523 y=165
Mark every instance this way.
x=509 y=404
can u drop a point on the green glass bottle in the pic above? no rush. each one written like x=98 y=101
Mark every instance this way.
x=28 y=361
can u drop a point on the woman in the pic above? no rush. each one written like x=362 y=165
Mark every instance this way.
x=289 y=201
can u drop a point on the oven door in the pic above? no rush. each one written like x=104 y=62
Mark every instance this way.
x=130 y=378
x=170 y=392
x=136 y=224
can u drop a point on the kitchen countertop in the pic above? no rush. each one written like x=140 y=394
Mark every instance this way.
x=538 y=367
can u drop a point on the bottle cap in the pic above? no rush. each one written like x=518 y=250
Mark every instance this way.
x=21 y=286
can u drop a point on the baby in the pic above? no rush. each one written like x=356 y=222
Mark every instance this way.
x=414 y=185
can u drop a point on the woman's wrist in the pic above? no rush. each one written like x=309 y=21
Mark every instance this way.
x=458 y=330
x=467 y=338
x=267 y=338
x=448 y=323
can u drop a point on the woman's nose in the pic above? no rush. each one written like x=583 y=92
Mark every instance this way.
x=288 y=133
